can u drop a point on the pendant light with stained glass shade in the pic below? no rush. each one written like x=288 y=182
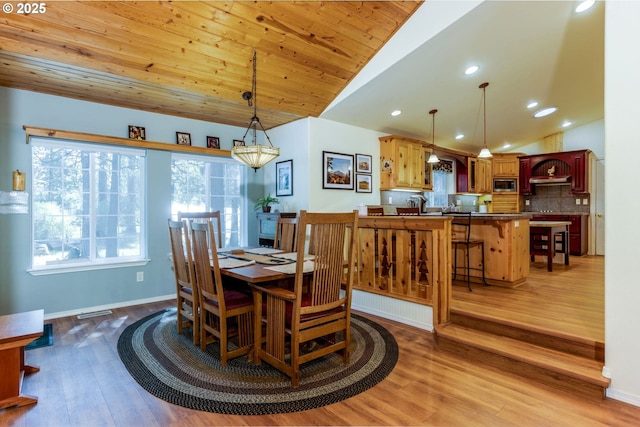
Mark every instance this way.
x=254 y=155
x=433 y=158
x=484 y=153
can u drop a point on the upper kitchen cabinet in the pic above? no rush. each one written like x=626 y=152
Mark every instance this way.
x=427 y=184
x=506 y=166
x=567 y=167
x=479 y=175
x=402 y=163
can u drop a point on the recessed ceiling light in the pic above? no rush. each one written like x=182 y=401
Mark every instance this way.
x=506 y=145
x=396 y=113
x=532 y=104
x=545 y=112
x=459 y=136
x=472 y=69
x=584 y=5
x=566 y=124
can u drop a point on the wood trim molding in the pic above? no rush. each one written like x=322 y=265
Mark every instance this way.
x=114 y=140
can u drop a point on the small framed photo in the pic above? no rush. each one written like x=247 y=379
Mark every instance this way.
x=284 y=178
x=363 y=163
x=337 y=170
x=137 y=132
x=363 y=183
x=213 y=142
x=183 y=138
x=238 y=143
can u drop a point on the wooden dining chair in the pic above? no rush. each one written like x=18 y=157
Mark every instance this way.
x=286 y=234
x=375 y=211
x=187 y=293
x=295 y=327
x=204 y=217
x=226 y=315
x=408 y=211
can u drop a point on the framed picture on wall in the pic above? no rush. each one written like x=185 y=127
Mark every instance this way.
x=337 y=171
x=363 y=183
x=137 y=132
x=284 y=178
x=238 y=143
x=183 y=138
x=213 y=142
x=363 y=163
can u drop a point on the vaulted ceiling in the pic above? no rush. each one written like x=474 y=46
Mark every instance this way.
x=193 y=59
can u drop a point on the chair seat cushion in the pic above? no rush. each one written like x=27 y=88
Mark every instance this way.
x=186 y=290
x=234 y=299
x=306 y=301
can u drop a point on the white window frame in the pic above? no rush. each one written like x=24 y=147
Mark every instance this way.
x=93 y=263
x=243 y=207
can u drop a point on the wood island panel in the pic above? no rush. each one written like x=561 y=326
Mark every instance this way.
x=506 y=245
x=408 y=258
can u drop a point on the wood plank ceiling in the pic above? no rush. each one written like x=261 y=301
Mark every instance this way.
x=193 y=59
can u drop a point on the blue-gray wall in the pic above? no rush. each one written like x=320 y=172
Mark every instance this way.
x=71 y=292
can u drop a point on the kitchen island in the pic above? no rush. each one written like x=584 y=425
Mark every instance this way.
x=506 y=245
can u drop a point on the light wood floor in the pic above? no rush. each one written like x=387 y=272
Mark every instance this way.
x=570 y=299
x=83 y=383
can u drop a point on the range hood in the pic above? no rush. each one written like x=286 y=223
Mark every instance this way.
x=550 y=180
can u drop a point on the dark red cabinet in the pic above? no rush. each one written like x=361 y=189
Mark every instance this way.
x=578 y=238
x=572 y=165
x=525 y=174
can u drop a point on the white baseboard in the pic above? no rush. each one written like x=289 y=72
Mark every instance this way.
x=417 y=315
x=107 y=307
x=623 y=397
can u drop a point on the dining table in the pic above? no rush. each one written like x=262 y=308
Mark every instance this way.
x=542 y=240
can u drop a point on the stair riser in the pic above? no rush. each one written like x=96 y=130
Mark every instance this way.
x=504 y=363
x=594 y=352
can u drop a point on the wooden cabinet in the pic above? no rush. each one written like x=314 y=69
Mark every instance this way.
x=571 y=165
x=427 y=184
x=485 y=178
x=524 y=176
x=480 y=179
x=578 y=235
x=402 y=163
x=504 y=203
x=505 y=165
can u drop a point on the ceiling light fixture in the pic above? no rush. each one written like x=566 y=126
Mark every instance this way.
x=584 y=5
x=532 y=104
x=255 y=155
x=433 y=158
x=545 y=112
x=484 y=153
x=459 y=136
x=566 y=124
x=472 y=69
x=396 y=113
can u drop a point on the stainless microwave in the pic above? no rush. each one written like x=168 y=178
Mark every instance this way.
x=505 y=185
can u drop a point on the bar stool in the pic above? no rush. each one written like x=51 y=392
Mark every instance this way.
x=464 y=239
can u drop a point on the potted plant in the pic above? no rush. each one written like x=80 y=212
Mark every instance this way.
x=265 y=203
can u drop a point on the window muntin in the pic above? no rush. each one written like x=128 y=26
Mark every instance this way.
x=201 y=183
x=87 y=204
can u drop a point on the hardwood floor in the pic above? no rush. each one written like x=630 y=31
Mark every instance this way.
x=82 y=381
x=569 y=300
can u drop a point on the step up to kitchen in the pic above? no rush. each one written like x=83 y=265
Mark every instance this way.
x=559 y=369
x=550 y=338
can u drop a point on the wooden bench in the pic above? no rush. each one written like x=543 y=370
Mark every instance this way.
x=16 y=331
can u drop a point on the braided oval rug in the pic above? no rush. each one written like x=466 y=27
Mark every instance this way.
x=170 y=367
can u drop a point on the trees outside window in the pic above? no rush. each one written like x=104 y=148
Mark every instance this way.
x=200 y=183
x=87 y=203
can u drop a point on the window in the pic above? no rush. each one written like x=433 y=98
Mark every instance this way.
x=443 y=184
x=210 y=184
x=88 y=204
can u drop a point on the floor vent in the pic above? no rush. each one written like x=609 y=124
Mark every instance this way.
x=94 y=314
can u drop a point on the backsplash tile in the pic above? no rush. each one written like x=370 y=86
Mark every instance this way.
x=556 y=198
